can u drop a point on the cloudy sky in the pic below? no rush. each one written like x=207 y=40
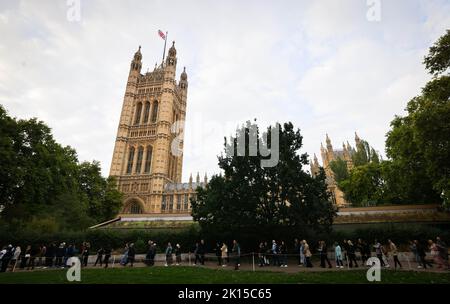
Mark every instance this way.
x=328 y=66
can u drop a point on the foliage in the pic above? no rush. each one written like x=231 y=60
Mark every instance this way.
x=252 y=201
x=417 y=145
x=42 y=184
x=340 y=170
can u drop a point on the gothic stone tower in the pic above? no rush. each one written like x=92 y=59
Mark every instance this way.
x=143 y=162
x=329 y=154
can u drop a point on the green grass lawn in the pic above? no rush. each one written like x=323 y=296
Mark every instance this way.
x=191 y=275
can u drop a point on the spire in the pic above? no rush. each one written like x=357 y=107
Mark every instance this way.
x=136 y=63
x=357 y=139
x=329 y=146
x=316 y=161
x=172 y=57
x=344 y=146
x=190 y=181
x=206 y=179
x=183 y=79
x=197 y=179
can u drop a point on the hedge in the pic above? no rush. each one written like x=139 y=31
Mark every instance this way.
x=399 y=233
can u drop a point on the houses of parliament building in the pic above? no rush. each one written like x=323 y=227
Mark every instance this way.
x=147 y=170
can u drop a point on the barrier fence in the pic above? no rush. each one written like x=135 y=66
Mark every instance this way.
x=252 y=259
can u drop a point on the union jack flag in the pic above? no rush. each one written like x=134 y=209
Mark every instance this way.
x=161 y=34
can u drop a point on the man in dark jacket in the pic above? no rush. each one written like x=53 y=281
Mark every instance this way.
x=99 y=259
x=6 y=259
x=422 y=254
x=202 y=251
x=107 y=256
x=131 y=255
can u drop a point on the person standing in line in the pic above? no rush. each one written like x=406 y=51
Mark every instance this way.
x=224 y=251
x=378 y=252
x=131 y=255
x=297 y=251
x=302 y=254
x=202 y=251
x=218 y=253
x=197 y=253
x=153 y=254
x=261 y=252
x=6 y=258
x=434 y=251
x=443 y=252
x=34 y=252
x=107 y=256
x=41 y=256
x=85 y=253
x=59 y=255
x=275 y=260
x=394 y=251
x=25 y=256
x=267 y=255
x=99 y=259
x=324 y=254
x=351 y=254
x=177 y=254
x=168 y=254
x=16 y=256
x=422 y=254
x=124 y=259
x=413 y=249
x=338 y=255
x=345 y=251
x=236 y=254
x=308 y=254
x=283 y=253
x=148 y=255
x=361 y=246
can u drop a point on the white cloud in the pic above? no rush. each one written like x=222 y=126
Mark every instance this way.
x=319 y=64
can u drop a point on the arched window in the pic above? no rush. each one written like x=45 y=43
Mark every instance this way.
x=140 y=156
x=146 y=111
x=137 y=119
x=163 y=203
x=135 y=208
x=130 y=160
x=148 y=159
x=155 y=111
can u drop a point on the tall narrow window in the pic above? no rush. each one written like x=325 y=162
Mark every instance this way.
x=146 y=111
x=155 y=111
x=178 y=202
x=130 y=160
x=148 y=159
x=140 y=156
x=163 y=203
x=137 y=119
x=171 y=203
x=186 y=200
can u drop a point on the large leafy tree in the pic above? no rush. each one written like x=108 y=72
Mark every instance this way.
x=263 y=201
x=419 y=143
x=42 y=181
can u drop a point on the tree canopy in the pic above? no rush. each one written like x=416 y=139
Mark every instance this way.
x=43 y=184
x=251 y=199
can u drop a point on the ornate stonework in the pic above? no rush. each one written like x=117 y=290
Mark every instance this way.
x=147 y=171
x=329 y=154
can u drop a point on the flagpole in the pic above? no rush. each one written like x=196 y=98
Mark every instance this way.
x=164 y=53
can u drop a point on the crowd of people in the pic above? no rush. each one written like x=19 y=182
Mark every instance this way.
x=346 y=254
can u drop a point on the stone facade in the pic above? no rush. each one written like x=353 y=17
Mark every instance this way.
x=147 y=162
x=329 y=154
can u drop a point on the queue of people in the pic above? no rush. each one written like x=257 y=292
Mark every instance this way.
x=345 y=254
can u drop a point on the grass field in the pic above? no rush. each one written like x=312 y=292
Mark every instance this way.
x=191 y=275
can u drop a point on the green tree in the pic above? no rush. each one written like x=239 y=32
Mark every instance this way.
x=364 y=154
x=264 y=201
x=340 y=170
x=419 y=143
x=42 y=184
